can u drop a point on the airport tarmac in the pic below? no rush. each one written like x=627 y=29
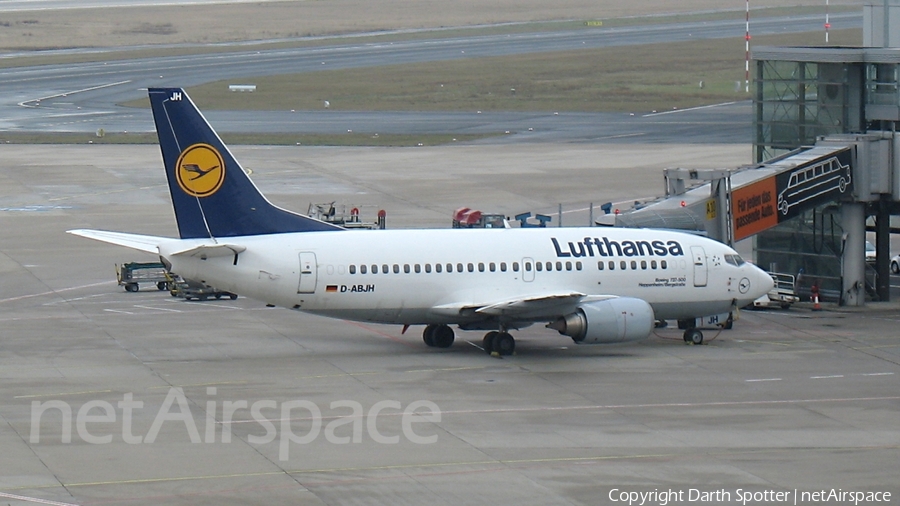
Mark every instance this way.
x=231 y=402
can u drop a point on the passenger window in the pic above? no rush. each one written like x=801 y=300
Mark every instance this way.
x=449 y=267
x=375 y=269
x=428 y=268
x=644 y=264
x=502 y=266
x=528 y=266
x=559 y=266
x=406 y=268
x=515 y=266
x=634 y=265
x=600 y=265
x=623 y=265
x=480 y=266
x=362 y=269
x=437 y=267
x=568 y=266
x=577 y=266
x=538 y=266
x=663 y=264
x=352 y=269
x=493 y=266
x=417 y=268
x=470 y=267
x=459 y=267
x=612 y=265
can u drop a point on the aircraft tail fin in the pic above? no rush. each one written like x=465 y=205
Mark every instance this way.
x=211 y=193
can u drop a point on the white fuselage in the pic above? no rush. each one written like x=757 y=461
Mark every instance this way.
x=393 y=276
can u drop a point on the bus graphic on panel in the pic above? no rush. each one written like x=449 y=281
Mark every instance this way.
x=814 y=181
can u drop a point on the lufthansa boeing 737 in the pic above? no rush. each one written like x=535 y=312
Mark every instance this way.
x=595 y=285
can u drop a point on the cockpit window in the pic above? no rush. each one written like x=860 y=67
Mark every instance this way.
x=734 y=260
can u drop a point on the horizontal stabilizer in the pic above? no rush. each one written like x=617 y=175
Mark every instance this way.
x=212 y=250
x=146 y=243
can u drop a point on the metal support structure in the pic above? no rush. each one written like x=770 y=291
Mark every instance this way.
x=883 y=248
x=853 y=254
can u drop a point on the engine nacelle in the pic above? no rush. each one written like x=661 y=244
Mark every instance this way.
x=607 y=321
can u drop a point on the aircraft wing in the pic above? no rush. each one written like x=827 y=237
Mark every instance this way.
x=146 y=243
x=534 y=306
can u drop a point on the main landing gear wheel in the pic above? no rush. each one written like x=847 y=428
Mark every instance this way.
x=501 y=343
x=428 y=335
x=693 y=336
x=488 y=342
x=439 y=336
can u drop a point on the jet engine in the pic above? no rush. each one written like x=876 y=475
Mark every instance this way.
x=607 y=321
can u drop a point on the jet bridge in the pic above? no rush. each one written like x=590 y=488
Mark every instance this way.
x=837 y=177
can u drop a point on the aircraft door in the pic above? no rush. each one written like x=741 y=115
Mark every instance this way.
x=700 y=273
x=308 y=272
x=527 y=269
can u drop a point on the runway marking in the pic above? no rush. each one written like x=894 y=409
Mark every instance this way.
x=34 y=499
x=158 y=309
x=63 y=394
x=118 y=311
x=763 y=379
x=620 y=136
x=53 y=292
x=428 y=465
x=25 y=103
x=544 y=409
x=826 y=377
x=877 y=374
x=383 y=334
x=217 y=383
x=685 y=110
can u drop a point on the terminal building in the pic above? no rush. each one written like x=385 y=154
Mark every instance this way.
x=827 y=164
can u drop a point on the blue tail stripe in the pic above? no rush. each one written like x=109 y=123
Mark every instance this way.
x=233 y=208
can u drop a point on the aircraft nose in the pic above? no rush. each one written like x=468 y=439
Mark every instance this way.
x=763 y=282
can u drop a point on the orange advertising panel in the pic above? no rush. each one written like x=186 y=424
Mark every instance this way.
x=753 y=208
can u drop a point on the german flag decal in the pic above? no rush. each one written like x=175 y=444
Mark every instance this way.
x=331 y=288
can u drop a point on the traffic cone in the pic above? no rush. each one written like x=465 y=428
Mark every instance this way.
x=816 y=306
